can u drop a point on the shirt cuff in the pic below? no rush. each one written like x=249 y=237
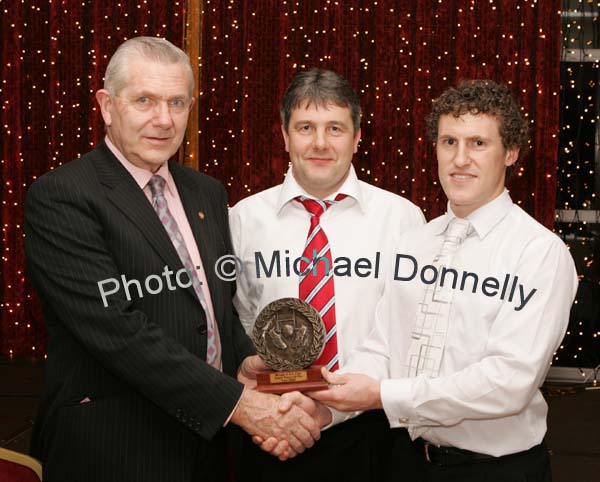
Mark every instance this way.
x=339 y=417
x=234 y=408
x=396 y=398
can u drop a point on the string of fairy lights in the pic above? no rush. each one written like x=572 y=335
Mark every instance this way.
x=579 y=175
x=53 y=59
x=395 y=91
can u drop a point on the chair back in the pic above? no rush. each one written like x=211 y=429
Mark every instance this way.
x=17 y=467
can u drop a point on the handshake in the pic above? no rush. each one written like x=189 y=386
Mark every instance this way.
x=283 y=425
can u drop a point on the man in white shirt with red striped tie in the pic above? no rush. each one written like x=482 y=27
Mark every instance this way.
x=322 y=212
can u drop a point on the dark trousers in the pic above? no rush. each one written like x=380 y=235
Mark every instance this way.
x=83 y=445
x=357 y=450
x=531 y=465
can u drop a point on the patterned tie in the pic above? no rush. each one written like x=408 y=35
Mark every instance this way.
x=159 y=203
x=431 y=324
x=316 y=281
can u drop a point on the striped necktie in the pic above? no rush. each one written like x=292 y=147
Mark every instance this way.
x=431 y=324
x=316 y=278
x=159 y=203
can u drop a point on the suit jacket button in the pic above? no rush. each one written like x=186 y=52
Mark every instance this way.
x=202 y=330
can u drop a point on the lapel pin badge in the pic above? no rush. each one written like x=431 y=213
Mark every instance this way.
x=201 y=215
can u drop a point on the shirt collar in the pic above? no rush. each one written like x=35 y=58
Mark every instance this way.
x=142 y=176
x=290 y=189
x=483 y=219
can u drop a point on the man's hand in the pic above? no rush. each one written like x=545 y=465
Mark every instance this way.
x=250 y=367
x=259 y=415
x=315 y=409
x=349 y=392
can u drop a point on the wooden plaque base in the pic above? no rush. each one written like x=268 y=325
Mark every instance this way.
x=305 y=380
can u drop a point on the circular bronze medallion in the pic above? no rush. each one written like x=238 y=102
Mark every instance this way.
x=289 y=334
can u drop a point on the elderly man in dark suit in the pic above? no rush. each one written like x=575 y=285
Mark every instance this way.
x=144 y=343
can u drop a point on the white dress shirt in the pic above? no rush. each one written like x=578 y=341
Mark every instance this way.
x=500 y=339
x=367 y=222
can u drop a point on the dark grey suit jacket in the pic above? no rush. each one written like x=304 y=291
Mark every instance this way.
x=154 y=403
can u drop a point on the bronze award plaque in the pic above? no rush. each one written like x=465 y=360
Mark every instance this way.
x=289 y=336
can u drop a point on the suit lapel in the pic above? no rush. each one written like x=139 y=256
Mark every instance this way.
x=201 y=216
x=127 y=196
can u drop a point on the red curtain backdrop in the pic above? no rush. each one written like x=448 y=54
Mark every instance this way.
x=398 y=55
x=53 y=58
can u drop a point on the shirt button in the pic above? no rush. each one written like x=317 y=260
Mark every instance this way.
x=403 y=420
x=202 y=330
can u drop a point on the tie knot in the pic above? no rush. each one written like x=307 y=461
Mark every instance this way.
x=316 y=207
x=157 y=185
x=458 y=230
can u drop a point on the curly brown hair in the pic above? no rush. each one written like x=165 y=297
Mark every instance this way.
x=482 y=97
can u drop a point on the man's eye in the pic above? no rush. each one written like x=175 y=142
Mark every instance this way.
x=143 y=100
x=177 y=103
x=479 y=143
x=450 y=142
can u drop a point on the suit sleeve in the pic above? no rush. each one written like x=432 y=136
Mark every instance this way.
x=68 y=255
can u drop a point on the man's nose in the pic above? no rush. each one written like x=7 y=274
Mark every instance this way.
x=162 y=115
x=462 y=158
x=320 y=139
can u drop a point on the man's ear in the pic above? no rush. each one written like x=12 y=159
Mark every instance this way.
x=286 y=138
x=512 y=154
x=357 y=140
x=104 y=100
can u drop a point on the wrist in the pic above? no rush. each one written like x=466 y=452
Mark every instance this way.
x=242 y=368
x=376 y=395
x=230 y=418
x=237 y=416
x=325 y=416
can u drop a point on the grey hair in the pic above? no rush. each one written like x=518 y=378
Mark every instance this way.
x=321 y=87
x=151 y=48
